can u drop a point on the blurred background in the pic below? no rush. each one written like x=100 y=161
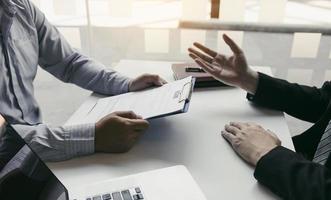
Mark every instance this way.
x=290 y=36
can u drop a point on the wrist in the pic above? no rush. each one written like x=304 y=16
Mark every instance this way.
x=259 y=154
x=130 y=85
x=96 y=137
x=250 y=81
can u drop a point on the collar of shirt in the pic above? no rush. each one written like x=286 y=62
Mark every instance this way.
x=11 y=6
x=8 y=10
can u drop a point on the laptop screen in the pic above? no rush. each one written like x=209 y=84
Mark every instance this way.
x=23 y=175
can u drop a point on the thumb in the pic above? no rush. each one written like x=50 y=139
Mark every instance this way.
x=128 y=114
x=139 y=124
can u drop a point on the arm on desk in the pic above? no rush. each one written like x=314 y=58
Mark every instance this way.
x=303 y=102
x=291 y=176
x=58 y=143
x=115 y=133
x=58 y=58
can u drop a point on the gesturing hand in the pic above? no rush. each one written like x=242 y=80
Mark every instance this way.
x=146 y=81
x=250 y=140
x=232 y=70
x=118 y=131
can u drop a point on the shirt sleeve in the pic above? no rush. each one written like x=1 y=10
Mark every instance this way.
x=58 y=58
x=59 y=143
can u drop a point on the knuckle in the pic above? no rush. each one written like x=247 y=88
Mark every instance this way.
x=244 y=129
x=236 y=143
x=156 y=76
x=110 y=118
x=131 y=112
x=115 y=113
x=127 y=123
x=243 y=132
x=153 y=77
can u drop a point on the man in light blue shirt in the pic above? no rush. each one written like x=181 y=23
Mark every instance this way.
x=29 y=40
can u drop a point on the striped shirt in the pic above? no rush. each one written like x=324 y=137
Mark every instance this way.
x=28 y=40
x=324 y=146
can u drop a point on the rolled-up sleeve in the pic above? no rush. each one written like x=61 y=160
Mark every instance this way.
x=58 y=58
x=59 y=143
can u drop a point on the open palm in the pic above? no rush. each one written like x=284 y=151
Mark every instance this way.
x=232 y=70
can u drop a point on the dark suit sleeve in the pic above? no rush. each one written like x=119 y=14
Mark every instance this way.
x=303 y=102
x=291 y=176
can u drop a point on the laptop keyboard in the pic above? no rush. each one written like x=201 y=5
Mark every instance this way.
x=127 y=194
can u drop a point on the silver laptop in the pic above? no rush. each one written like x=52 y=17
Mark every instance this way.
x=23 y=175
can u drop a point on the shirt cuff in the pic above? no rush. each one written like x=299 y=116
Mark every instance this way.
x=126 y=86
x=80 y=139
x=252 y=97
x=119 y=84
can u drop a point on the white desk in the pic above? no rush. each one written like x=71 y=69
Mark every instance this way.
x=192 y=139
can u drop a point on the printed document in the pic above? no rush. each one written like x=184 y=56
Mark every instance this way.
x=171 y=98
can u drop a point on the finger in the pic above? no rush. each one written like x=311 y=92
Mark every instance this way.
x=250 y=124
x=228 y=136
x=201 y=55
x=135 y=135
x=233 y=46
x=238 y=125
x=127 y=114
x=158 y=80
x=138 y=124
x=221 y=59
x=215 y=67
x=205 y=66
x=232 y=129
x=205 y=49
x=255 y=125
x=163 y=81
x=153 y=79
x=193 y=56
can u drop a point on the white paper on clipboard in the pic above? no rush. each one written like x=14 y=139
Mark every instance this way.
x=169 y=99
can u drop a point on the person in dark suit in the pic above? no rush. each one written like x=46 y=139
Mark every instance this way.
x=304 y=174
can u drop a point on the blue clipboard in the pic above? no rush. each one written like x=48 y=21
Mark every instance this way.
x=185 y=95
